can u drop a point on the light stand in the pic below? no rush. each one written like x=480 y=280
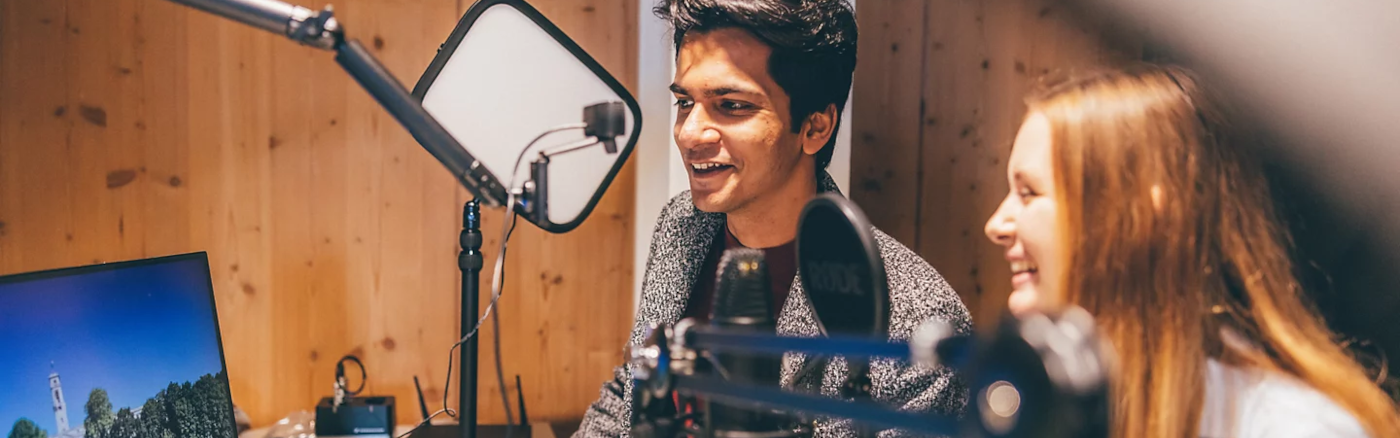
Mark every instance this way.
x=603 y=123
x=470 y=261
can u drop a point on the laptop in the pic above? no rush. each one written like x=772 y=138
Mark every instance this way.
x=128 y=349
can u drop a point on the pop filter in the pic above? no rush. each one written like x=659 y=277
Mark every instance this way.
x=841 y=268
x=844 y=278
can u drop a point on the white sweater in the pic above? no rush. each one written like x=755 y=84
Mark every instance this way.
x=1251 y=403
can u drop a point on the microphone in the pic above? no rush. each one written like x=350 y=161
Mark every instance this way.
x=844 y=278
x=744 y=303
x=742 y=296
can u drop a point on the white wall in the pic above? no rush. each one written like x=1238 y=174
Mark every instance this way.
x=660 y=173
x=655 y=155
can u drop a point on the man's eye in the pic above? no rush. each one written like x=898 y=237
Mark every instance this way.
x=730 y=105
x=684 y=103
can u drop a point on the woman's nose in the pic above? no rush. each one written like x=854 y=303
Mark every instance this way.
x=1001 y=228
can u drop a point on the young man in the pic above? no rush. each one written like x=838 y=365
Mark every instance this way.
x=759 y=88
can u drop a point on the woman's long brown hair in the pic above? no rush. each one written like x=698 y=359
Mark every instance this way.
x=1172 y=238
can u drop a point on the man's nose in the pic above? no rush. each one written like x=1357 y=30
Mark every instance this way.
x=696 y=130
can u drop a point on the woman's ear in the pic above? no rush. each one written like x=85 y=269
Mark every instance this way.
x=818 y=129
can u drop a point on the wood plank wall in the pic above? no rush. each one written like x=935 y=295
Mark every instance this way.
x=937 y=102
x=137 y=128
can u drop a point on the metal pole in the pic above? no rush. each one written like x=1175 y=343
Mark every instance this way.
x=470 y=261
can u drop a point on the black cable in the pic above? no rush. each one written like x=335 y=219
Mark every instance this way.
x=516 y=169
x=445 y=409
x=499 y=281
x=340 y=373
x=496 y=335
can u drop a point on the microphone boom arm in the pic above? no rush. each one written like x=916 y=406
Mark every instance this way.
x=274 y=16
x=1025 y=379
x=758 y=397
x=322 y=31
x=718 y=339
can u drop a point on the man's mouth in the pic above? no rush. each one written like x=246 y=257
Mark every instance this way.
x=705 y=169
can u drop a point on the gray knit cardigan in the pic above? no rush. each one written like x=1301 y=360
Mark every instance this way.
x=917 y=293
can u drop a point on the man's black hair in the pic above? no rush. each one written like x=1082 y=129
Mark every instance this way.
x=813 y=42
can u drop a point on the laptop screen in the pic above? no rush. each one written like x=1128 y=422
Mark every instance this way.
x=126 y=349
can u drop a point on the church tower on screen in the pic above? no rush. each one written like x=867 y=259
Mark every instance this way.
x=60 y=406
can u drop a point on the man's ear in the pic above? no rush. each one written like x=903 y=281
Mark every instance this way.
x=818 y=129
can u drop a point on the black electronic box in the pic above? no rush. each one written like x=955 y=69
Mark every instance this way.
x=356 y=416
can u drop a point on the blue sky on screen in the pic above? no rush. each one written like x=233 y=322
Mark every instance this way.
x=131 y=331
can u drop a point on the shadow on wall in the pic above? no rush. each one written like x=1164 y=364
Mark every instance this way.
x=1341 y=264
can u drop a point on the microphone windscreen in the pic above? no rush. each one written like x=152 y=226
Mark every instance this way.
x=743 y=302
x=742 y=295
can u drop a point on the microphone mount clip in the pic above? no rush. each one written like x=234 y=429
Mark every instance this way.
x=602 y=124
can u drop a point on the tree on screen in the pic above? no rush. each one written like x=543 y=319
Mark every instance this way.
x=153 y=418
x=24 y=428
x=124 y=425
x=210 y=394
x=99 y=414
x=189 y=410
x=182 y=410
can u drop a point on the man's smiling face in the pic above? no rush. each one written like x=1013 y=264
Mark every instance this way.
x=733 y=126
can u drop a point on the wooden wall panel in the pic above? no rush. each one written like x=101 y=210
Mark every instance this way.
x=931 y=174
x=138 y=128
x=886 y=111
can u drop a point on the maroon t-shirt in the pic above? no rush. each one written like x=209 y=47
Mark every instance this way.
x=782 y=270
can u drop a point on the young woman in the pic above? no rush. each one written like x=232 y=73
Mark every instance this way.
x=1128 y=199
